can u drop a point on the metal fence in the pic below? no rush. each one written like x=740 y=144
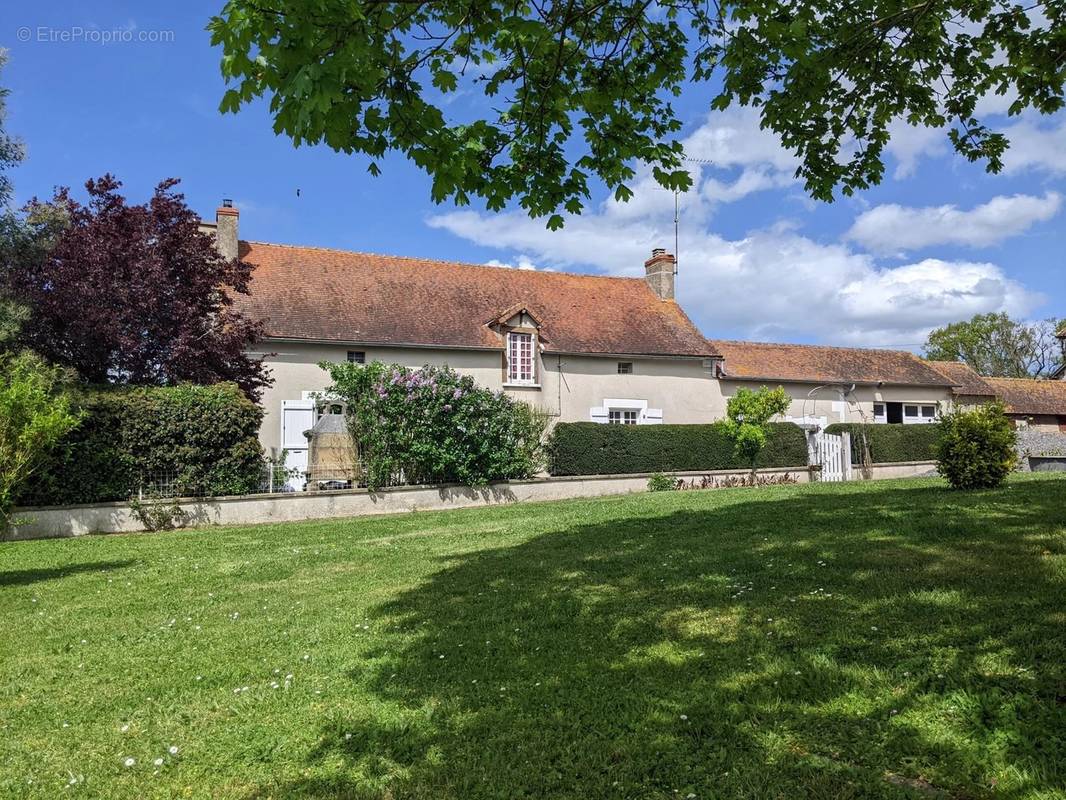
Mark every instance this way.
x=274 y=479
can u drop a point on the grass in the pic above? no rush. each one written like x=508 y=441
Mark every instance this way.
x=882 y=640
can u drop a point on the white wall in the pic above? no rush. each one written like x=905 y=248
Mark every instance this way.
x=569 y=386
x=831 y=403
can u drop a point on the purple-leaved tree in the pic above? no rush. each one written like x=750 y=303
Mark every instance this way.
x=134 y=294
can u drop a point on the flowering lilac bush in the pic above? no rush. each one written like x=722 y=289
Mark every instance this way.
x=432 y=425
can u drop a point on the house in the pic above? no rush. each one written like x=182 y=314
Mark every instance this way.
x=970 y=388
x=579 y=347
x=1037 y=405
x=837 y=384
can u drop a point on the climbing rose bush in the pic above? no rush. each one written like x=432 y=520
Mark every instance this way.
x=432 y=425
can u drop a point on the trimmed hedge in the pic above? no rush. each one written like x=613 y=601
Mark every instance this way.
x=203 y=440
x=890 y=443
x=590 y=448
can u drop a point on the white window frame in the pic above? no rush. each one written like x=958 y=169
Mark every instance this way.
x=919 y=417
x=515 y=374
x=623 y=416
x=621 y=405
x=883 y=416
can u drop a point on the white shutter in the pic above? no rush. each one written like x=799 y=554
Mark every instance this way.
x=652 y=416
x=598 y=414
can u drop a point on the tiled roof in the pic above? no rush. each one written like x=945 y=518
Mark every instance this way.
x=1028 y=396
x=817 y=364
x=333 y=295
x=963 y=376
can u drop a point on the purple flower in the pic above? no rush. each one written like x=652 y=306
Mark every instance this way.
x=447 y=407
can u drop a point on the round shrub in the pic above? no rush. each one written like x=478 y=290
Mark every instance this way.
x=432 y=425
x=976 y=448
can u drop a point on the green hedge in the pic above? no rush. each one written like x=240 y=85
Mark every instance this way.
x=201 y=440
x=890 y=443
x=589 y=448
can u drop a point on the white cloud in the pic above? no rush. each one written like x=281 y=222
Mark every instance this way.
x=730 y=140
x=895 y=228
x=522 y=262
x=775 y=283
x=911 y=143
x=771 y=284
x=1033 y=147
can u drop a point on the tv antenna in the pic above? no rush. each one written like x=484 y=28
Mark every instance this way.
x=677 y=213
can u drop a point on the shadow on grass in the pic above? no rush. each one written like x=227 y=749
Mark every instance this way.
x=886 y=643
x=24 y=577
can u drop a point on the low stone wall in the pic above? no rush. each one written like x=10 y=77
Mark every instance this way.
x=903 y=469
x=65 y=521
x=1033 y=442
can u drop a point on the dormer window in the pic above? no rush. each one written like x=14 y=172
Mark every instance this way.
x=520 y=362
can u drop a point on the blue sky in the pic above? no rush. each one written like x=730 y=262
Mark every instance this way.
x=939 y=240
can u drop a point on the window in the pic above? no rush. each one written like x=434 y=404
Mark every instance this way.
x=625 y=367
x=895 y=413
x=621 y=416
x=357 y=356
x=520 y=358
x=916 y=414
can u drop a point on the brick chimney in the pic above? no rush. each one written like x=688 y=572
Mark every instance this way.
x=226 y=218
x=659 y=273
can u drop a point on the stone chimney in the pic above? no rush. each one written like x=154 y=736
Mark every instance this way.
x=226 y=218
x=659 y=273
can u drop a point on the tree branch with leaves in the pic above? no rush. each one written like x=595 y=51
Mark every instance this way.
x=575 y=91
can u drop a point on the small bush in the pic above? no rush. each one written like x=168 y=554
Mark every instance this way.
x=204 y=440
x=976 y=449
x=590 y=448
x=432 y=425
x=890 y=443
x=158 y=515
x=662 y=483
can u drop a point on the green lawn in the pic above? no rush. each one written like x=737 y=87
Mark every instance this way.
x=892 y=639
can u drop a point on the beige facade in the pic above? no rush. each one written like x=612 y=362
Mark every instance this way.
x=827 y=404
x=570 y=388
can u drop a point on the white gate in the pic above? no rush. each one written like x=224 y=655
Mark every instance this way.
x=834 y=454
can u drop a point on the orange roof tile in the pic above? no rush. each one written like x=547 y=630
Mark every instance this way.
x=333 y=295
x=818 y=364
x=1028 y=396
x=963 y=376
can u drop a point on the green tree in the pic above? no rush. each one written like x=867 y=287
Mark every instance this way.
x=571 y=91
x=35 y=413
x=747 y=415
x=12 y=314
x=996 y=345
